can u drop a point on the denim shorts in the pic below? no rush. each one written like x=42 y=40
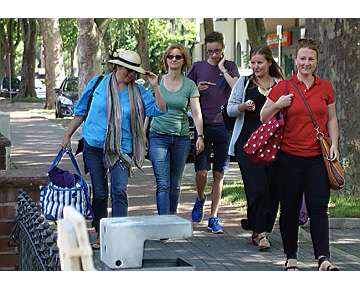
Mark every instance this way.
x=216 y=141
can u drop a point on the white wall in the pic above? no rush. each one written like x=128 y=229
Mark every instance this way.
x=227 y=28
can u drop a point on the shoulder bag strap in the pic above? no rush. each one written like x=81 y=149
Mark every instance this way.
x=282 y=113
x=316 y=126
x=287 y=91
x=92 y=94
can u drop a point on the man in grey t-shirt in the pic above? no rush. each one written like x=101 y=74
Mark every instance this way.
x=214 y=77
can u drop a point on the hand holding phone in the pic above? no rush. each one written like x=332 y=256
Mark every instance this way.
x=204 y=85
x=250 y=105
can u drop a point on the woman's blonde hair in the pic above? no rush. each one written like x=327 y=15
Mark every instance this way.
x=183 y=52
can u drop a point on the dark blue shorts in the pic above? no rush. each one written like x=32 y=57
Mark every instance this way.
x=217 y=140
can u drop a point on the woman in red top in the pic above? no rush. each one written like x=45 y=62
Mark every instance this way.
x=299 y=167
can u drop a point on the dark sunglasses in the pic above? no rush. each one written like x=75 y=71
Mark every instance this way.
x=177 y=57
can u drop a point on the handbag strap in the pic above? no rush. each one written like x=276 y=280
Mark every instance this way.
x=316 y=126
x=283 y=112
x=287 y=91
x=59 y=156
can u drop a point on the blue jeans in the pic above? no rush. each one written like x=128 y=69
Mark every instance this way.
x=168 y=155
x=119 y=174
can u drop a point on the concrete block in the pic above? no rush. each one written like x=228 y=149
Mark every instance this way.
x=122 y=239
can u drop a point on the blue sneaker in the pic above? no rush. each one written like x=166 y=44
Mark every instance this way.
x=214 y=225
x=197 y=213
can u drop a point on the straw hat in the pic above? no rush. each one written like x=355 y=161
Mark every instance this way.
x=129 y=59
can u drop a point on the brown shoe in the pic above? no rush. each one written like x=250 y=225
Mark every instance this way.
x=291 y=265
x=254 y=239
x=325 y=265
x=263 y=242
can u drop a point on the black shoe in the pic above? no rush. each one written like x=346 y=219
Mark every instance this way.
x=245 y=224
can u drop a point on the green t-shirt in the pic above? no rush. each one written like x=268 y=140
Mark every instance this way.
x=175 y=121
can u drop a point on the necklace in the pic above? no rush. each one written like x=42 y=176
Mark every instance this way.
x=264 y=90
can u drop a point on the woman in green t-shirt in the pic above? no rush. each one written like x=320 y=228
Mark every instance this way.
x=169 y=141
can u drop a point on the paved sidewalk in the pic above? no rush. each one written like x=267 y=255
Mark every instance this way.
x=35 y=141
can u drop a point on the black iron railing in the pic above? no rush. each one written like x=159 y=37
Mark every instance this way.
x=35 y=237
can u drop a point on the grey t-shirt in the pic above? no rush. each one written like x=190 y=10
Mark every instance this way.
x=214 y=97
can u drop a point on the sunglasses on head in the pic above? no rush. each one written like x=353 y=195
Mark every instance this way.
x=177 y=57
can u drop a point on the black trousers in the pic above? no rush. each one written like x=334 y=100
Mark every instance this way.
x=261 y=198
x=295 y=175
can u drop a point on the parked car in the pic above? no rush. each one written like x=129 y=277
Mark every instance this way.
x=40 y=89
x=5 y=87
x=66 y=96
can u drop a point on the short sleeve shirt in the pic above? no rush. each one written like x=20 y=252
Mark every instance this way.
x=175 y=121
x=214 y=97
x=299 y=133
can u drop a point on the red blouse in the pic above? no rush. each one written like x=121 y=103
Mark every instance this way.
x=299 y=133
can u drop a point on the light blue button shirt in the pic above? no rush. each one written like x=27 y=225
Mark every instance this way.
x=95 y=125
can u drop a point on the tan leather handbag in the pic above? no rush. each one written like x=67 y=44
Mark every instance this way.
x=334 y=169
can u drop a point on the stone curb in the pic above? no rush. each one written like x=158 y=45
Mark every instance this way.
x=304 y=235
x=341 y=223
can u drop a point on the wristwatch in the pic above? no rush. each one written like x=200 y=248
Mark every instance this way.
x=200 y=136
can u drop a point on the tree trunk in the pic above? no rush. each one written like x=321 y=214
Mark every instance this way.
x=10 y=38
x=256 y=31
x=339 y=62
x=208 y=25
x=27 y=86
x=142 y=42
x=88 y=51
x=54 y=64
x=72 y=56
x=2 y=49
x=105 y=41
x=13 y=32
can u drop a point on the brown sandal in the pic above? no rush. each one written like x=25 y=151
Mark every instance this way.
x=254 y=239
x=291 y=265
x=261 y=241
x=329 y=267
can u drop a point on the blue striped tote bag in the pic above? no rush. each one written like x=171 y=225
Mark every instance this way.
x=65 y=188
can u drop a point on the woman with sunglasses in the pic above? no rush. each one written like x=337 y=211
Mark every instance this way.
x=169 y=133
x=299 y=167
x=113 y=130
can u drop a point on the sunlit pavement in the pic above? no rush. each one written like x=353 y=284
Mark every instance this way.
x=36 y=138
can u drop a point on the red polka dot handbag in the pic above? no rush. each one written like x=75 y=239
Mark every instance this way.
x=264 y=142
